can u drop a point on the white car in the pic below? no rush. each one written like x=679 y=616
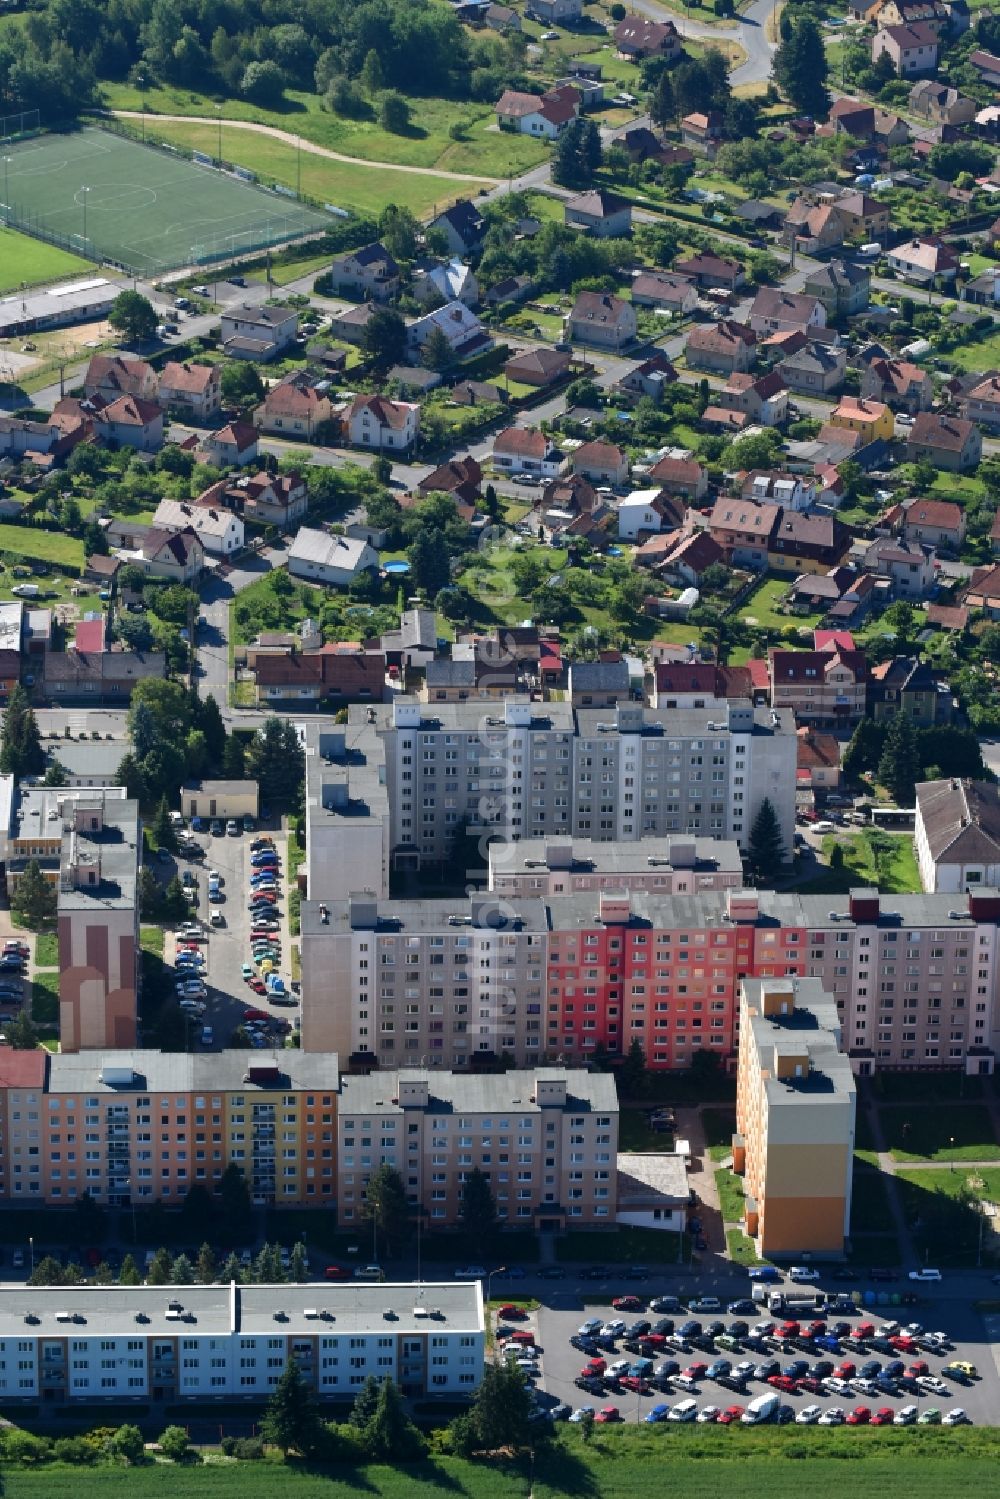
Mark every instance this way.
x=905 y=1416
x=928 y=1385
x=803 y=1273
x=833 y=1417
x=581 y=1414
x=823 y=827
x=216 y=917
x=834 y=1386
x=926 y=1275
x=956 y=1417
x=215 y=878
x=808 y=1415
x=620 y=1366
x=550 y=36
x=589 y=1328
x=708 y=1413
x=613 y=1329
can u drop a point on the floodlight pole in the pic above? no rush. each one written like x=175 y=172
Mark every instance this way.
x=85 y=191
x=6 y=194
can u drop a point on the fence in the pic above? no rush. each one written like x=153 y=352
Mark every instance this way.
x=15 y=126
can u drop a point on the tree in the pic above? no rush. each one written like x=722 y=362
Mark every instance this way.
x=577 y=154
x=133 y=316
x=56 y=775
x=276 y=761
x=663 y=106
x=899 y=766
x=430 y=564
x=129 y=1275
x=233 y=758
x=372 y=78
x=127 y=1442
x=232 y=1270
x=865 y=749
x=22 y=1033
x=437 y=352
x=390 y=1435
x=478 y=1210
x=48 y=1272
x=298 y=1268
x=384 y=339
x=34 y=898
x=801 y=68
x=365 y=1403
x=174 y=1444
x=385 y=1206
x=394 y=113
x=290 y=1420
x=234 y=1202
x=500 y=1414
x=837 y=856
x=766 y=848
x=21 y=752
x=211 y=725
x=632 y=1076
x=263 y=83
x=162 y=828
x=182 y=1271
x=159 y=1271
x=241 y=384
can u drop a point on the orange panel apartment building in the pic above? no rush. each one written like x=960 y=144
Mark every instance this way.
x=795 y=1112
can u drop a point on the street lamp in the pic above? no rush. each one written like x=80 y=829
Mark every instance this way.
x=218 y=111
x=951 y=1143
x=31 y=1248
x=6 y=192
x=500 y=1270
x=85 y=191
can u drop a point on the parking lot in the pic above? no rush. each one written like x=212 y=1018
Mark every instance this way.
x=973 y=1338
x=228 y=946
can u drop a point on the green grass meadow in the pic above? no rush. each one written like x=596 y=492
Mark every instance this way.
x=30 y=262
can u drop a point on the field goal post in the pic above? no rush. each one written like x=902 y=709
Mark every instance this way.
x=15 y=126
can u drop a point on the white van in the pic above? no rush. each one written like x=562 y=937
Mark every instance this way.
x=762 y=1409
x=685 y=1410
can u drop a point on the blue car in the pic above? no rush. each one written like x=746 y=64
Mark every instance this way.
x=197 y=826
x=658 y=1413
x=765 y=1273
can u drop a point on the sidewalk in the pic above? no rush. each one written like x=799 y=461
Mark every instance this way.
x=887 y=1166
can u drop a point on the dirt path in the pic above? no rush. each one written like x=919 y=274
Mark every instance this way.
x=300 y=142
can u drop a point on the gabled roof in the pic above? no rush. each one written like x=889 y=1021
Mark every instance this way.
x=130 y=411
x=908 y=38
x=600 y=307
x=597 y=203
x=722 y=336
x=730 y=514
x=950 y=433
x=194 y=379
x=522 y=442
x=961 y=820
x=392 y=414
x=793 y=307
x=943 y=513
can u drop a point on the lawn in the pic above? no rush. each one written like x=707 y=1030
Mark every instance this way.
x=45 y=546
x=621 y=1246
x=718 y=1125
x=761 y=608
x=984 y=354
x=740 y=1248
x=895 y=871
x=635 y=1134
x=427 y=143
x=347 y=184
x=869 y=1203
x=45 y=998
x=47 y=950
x=28 y=262
x=151 y=940
x=922 y=1134
x=731 y=1197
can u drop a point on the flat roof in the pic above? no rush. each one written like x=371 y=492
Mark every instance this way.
x=478 y=1093
x=524 y=913
x=134 y=1071
x=59 y=301
x=645 y=855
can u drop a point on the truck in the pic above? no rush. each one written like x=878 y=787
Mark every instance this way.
x=802 y=1304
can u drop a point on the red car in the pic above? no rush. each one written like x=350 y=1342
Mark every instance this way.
x=696 y=1371
x=859 y=1416
x=865 y=1330
x=258 y=986
x=628 y=1304
x=903 y=1345
x=336 y=1272
x=817 y=1329
x=783 y=1383
x=256 y=1015
x=883 y=1416
x=653 y=1340
x=593 y=1366
x=808 y=1383
x=846 y=1370
x=920 y=1367
x=789 y=1330
x=636 y=1385
x=512 y=1313
x=608 y=1413
x=729 y=1415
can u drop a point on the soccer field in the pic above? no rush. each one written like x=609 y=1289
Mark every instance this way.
x=111 y=198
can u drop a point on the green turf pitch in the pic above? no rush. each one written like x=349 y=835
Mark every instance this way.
x=142 y=207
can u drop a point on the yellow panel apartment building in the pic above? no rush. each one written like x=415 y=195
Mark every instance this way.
x=795 y=1111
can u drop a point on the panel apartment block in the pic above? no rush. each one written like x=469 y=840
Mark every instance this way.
x=795 y=1118
x=547 y=1140
x=98 y=921
x=347 y=810
x=394 y=981
x=84 y=1345
x=146 y=1126
x=660 y=866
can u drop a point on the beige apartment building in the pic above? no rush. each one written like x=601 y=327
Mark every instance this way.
x=546 y=1139
x=98 y=922
x=145 y=1126
x=446 y=980
x=668 y=866
x=795 y=1113
x=348 y=846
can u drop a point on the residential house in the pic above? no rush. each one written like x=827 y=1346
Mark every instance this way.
x=295 y=407
x=762 y=399
x=905 y=12
x=825 y=689
x=774 y=310
x=502 y=18
x=957 y=835
x=987 y=66
x=722 y=348
x=176 y=555
x=453 y=281
x=525 y=450
x=258 y=332
x=870 y=419
x=462 y=225
x=890 y=130
x=650 y=378
x=413 y=380
x=983 y=591
x=983 y=290
x=538 y=367
x=982 y=404
x=478 y=672
x=351 y=324
x=555 y=12
x=691 y=555
x=233 y=446
x=601 y=463
x=112 y=375
x=676 y=294
x=850 y=117
x=544 y=115
x=841 y=286
x=333 y=675
x=130 y=422
x=906 y=685
x=901 y=385
x=790 y=491
x=370 y=272
x=934 y=101
x=460 y=326
x=99 y=677
x=935 y=523
x=701 y=132
x=512 y=289
x=910 y=49
x=280 y=500
x=221 y=531
x=194 y=391
x=710 y=270
x=744 y=531
x=599 y=684
x=818 y=767
x=683 y=476
x=637 y=38
x=564 y=501
x=864 y=219
x=460 y=477
x=921 y=260
x=598 y=318
x=908 y=565
x=807 y=543
x=645 y=513
x=337 y=561
x=376 y=422
x=949 y=442
x=815 y=369
x=600 y=213
x=814 y=227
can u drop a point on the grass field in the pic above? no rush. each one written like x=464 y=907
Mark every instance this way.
x=29 y=262
x=348 y=184
x=144 y=208
x=918 y=1134
x=731 y=1198
x=762 y=607
x=47 y=950
x=898 y=873
x=43 y=546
